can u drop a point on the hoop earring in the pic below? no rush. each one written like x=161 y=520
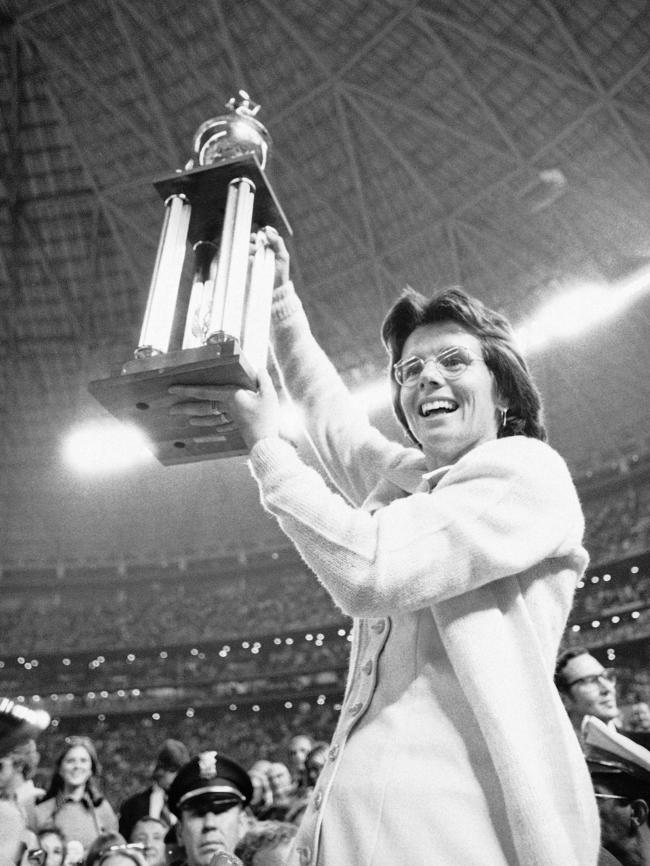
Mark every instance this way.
x=504 y=417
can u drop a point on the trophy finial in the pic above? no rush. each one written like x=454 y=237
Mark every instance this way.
x=236 y=133
x=243 y=104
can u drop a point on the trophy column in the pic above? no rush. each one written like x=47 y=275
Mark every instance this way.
x=163 y=292
x=229 y=295
x=214 y=331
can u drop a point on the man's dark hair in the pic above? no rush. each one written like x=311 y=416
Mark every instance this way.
x=500 y=353
x=623 y=785
x=561 y=663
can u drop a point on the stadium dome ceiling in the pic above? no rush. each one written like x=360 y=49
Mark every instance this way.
x=504 y=146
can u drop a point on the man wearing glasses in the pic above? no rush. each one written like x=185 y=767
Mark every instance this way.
x=586 y=687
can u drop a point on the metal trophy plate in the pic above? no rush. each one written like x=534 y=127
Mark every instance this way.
x=215 y=330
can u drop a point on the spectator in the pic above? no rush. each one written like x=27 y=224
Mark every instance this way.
x=267 y=844
x=17 y=724
x=620 y=774
x=313 y=765
x=121 y=855
x=153 y=800
x=27 y=794
x=101 y=843
x=262 y=795
x=151 y=833
x=638 y=717
x=12 y=833
x=111 y=849
x=209 y=796
x=73 y=801
x=586 y=687
x=52 y=843
x=12 y=779
x=13 y=815
x=299 y=748
x=282 y=792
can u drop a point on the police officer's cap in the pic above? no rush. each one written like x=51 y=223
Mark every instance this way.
x=210 y=779
x=610 y=753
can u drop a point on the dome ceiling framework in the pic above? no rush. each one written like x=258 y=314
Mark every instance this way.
x=503 y=146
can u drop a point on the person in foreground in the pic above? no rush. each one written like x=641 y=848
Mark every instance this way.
x=458 y=557
x=209 y=797
x=620 y=773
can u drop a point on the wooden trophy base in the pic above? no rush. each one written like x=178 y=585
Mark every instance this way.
x=139 y=395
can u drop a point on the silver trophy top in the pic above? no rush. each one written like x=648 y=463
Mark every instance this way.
x=230 y=135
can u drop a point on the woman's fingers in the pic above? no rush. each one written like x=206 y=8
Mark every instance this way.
x=223 y=422
x=204 y=406
x=274 y=240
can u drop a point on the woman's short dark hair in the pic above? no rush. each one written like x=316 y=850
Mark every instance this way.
x=500 y=353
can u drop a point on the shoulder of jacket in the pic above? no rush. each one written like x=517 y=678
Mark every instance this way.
x=515 y=449
x=523 y=457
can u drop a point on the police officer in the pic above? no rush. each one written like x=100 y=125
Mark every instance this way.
x=209 y=797
x=620 y=774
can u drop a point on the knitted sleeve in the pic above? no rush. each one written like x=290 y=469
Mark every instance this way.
x=354 y=453
x=504 y=507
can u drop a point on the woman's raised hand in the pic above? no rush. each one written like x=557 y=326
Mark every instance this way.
x=275 y=241
x=227 y=407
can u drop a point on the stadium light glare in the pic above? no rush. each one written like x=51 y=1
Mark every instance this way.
x=581 y=308
x=102 y=447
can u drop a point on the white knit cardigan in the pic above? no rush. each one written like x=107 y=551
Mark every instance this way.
x=495 y=552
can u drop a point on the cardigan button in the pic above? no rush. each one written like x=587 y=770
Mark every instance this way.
x=333 y=752
x=318 y=800
x=378 y=627
x=367 y=667
x=304 y=855
x=355 y=709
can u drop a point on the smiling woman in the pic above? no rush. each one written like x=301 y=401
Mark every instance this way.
x=73 y=802
x=458 y=558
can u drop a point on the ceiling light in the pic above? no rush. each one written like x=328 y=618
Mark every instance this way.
x=104 y=447
x=580 y=308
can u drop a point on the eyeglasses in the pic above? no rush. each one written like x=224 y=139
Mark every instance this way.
x=128 y=846
x=608 y=675
x=610 y=797
x=451 y=363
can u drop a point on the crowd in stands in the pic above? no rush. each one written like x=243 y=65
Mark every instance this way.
x=232 y=658
x=618 y=522
x=135 y=614
x=126 y=747
x=146 y=615
x=96 y=790
x=282 y=749
x=250 y=660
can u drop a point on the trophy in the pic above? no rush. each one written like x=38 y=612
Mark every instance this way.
x=210 y=328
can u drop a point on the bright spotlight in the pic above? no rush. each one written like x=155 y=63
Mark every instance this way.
x=581 y=308
x=104 y=447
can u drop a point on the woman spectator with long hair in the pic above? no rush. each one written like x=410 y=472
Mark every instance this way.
x=74 y=803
